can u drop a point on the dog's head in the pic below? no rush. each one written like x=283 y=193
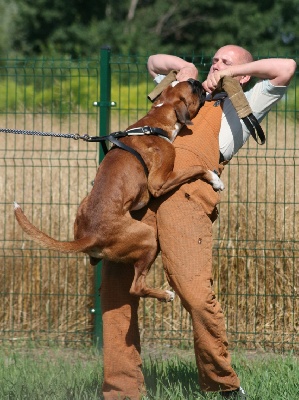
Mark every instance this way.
x=186 y=98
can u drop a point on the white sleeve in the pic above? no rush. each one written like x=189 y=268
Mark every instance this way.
x=159 y=78
x=233 y=132
x=263 y=96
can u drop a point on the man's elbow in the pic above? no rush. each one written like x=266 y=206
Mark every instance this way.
x=289 y=70
x=151 y=65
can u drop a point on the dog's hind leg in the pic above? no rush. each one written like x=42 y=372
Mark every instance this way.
x=147 y=247
x=139 y=287
x=135 y=242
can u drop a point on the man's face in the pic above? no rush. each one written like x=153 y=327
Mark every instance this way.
x=223 y=58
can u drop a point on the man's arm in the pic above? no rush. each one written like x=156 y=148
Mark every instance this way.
x=164 y=63
x=278 y=70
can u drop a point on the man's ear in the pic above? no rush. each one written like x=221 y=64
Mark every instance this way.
x=182 y=113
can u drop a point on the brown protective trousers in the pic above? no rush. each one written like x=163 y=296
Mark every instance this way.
x=182 y=221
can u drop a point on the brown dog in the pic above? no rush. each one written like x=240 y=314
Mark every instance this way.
x=104 y=227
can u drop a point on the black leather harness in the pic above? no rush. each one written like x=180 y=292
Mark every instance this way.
x=114 y=138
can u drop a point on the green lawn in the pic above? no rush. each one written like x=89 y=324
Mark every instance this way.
x=67 y=374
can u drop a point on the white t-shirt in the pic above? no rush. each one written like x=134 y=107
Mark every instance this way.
x=233 y=132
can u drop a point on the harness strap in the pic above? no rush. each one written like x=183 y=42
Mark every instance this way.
x=140 y=131
x=123 y=146
x=113 y=138
x=147 y=130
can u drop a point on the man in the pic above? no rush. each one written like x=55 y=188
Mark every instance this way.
x=183 y=222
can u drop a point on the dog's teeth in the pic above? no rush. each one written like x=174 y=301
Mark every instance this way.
x=16 y=205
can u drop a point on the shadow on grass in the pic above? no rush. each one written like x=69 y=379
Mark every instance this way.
x=169 y=379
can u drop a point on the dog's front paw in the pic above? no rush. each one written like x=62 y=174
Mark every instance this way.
x=169 y=296
x=216 y=182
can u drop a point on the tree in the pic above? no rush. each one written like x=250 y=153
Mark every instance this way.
x=180 y=27
x=8 y=12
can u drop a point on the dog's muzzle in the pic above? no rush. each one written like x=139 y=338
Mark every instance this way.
x=198 y=89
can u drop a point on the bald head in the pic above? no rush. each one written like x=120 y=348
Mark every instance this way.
x=234 y=54
x=231 y=55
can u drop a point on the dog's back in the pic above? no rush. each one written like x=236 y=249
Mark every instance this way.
x=104 y=227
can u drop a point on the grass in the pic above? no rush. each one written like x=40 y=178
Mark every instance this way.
x=264 y=377
x=49 y=374
x=68 y=374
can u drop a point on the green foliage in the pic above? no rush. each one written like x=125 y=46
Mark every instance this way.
x=180 y=27
x=21 y=98
x=65 y=96
x=55 y=26
x=8 y=12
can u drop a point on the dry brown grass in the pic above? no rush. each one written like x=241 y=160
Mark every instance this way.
x=258 y=280
x=46 y=296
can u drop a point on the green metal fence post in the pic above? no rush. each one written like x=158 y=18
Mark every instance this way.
x=104 y=104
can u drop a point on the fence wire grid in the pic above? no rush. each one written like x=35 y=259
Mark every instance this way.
x=48 y=297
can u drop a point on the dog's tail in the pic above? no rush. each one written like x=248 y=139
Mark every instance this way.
x=75 y=246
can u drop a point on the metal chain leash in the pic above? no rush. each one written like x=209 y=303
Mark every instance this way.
x=142 y=130
x=75 y=136
x=113 y=138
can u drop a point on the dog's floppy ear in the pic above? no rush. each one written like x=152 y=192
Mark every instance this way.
x=182 y=113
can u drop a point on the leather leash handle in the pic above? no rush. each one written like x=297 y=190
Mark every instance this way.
x=236 y=95
x=254 y=128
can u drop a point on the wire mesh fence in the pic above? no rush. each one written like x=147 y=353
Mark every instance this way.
x=47 y=296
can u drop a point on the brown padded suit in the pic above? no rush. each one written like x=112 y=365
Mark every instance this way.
x=183 y=222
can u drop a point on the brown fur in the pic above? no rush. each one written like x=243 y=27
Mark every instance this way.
x=104 y=227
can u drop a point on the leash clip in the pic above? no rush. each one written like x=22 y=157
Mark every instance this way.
x=85 y=137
